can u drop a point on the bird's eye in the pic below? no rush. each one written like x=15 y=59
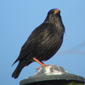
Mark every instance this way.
x=53 y=11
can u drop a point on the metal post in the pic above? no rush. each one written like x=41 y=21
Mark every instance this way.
x=53 y=75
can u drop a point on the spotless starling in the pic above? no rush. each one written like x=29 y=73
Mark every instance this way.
x=43 y=42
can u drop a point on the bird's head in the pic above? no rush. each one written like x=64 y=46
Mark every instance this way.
x=54 y=12
x=53 y=15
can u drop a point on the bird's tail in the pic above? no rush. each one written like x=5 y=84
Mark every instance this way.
x=18 y=69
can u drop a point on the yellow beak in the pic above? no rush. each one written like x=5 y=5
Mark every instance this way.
x=56 y=11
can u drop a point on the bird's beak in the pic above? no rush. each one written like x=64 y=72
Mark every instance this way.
x=56 y=11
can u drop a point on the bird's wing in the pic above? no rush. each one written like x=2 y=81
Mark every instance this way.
x=40 y=35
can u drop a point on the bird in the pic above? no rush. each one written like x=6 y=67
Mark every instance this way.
x=42 y=43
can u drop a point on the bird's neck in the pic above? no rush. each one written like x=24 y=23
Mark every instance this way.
x=53 y=19
x=57 y=21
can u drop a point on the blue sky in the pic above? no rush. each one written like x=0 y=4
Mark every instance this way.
x=18 y=18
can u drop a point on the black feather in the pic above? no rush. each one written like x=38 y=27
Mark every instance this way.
x=43 y=42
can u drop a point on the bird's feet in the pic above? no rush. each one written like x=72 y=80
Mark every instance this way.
x=41 y=63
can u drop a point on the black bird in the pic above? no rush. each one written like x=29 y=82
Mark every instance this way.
x=43 y=42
